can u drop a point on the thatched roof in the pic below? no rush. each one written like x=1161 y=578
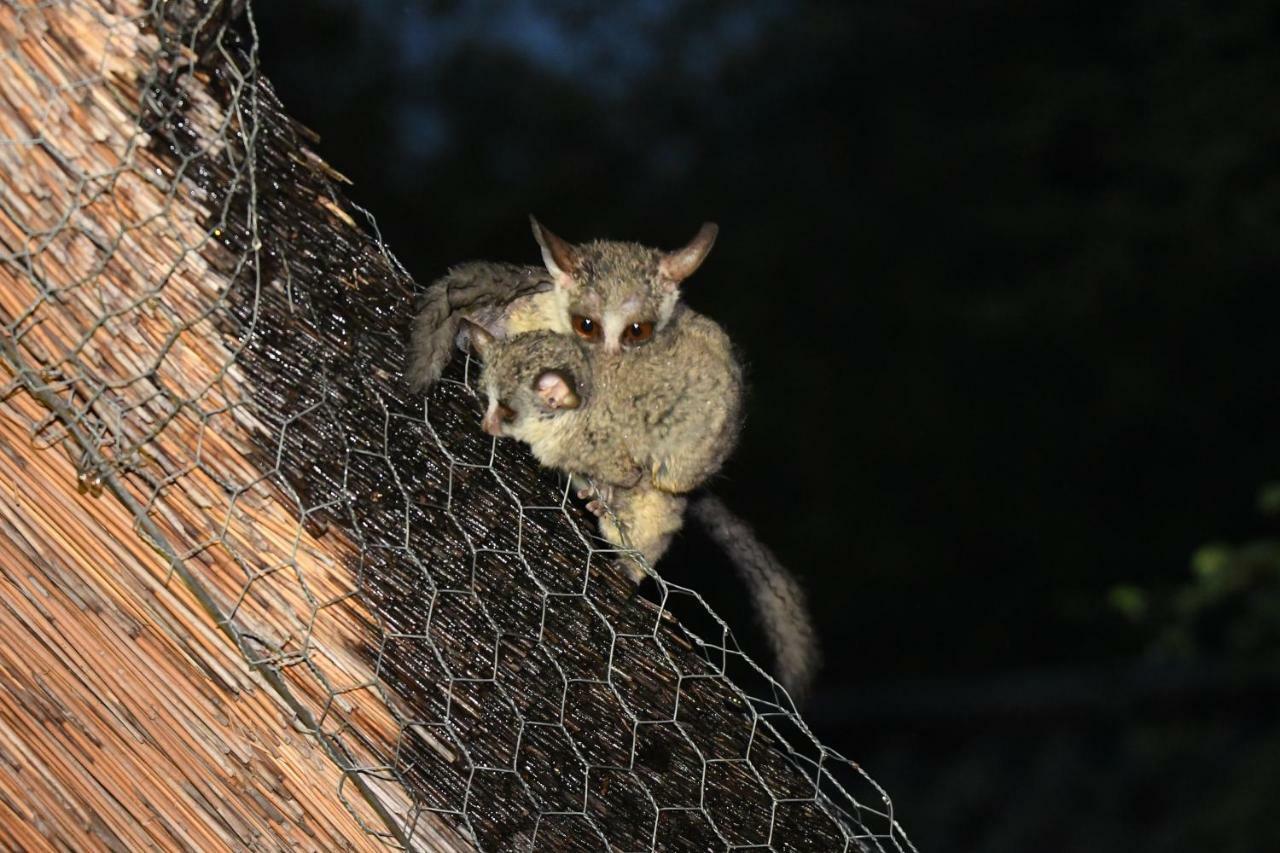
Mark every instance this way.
x=127 y=719
x=281 y=600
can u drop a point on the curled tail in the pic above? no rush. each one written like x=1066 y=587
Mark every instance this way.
x=434 y=329
x=780 y=602
x=465 y=290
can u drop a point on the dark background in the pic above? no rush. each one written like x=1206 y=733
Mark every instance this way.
x=1006 y=278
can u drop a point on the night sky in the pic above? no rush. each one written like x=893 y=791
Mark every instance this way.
x=1005 y=276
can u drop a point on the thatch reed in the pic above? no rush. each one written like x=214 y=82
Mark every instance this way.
x=127 y=720
x=279 y=601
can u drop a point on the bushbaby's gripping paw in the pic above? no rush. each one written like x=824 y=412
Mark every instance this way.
x=600 y=497
x=634 y=572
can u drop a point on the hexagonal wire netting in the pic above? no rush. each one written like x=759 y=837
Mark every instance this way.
x=219 y=342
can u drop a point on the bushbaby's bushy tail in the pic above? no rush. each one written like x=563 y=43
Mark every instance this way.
x=780 y=601
x=465 y=289
x=431 y=344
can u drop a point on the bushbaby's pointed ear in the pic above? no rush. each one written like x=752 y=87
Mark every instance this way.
x=676 y=266
x=561 y=258
x=478 y=337
x=556 y=391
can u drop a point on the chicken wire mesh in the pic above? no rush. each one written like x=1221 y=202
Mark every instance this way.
x=218 y=338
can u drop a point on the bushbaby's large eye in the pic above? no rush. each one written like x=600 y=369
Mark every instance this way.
x=637 y=333
x=586 y=327
x=506 y=414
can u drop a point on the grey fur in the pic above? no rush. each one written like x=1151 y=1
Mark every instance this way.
x=616 y=284
x=672 y=408
x=780 y=601
x=613 y=283
x=653 y=425
x=481 y=291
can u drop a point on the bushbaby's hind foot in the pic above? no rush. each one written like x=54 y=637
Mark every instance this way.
x=634 y=571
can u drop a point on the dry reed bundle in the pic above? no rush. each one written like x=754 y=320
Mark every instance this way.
x=190 y=312
x=127 y=720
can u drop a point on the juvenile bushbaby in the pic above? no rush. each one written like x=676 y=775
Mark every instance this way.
x=617 y=421
x=611 y=294
x=645 y=427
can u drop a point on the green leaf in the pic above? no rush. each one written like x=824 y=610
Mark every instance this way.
x=1132 y=601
